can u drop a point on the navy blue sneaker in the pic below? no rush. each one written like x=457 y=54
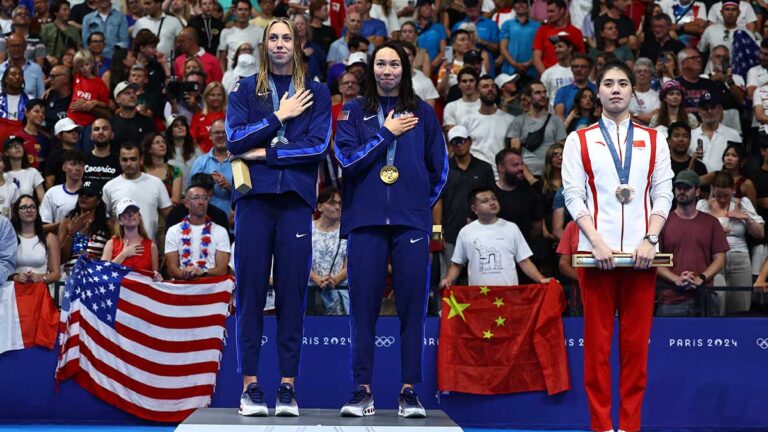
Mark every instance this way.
x=286 y=405
x=361 y=404
x=409 y=405
x=252 y=402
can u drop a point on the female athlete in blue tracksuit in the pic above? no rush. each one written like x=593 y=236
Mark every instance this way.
x=395 y=164
x=275 y=216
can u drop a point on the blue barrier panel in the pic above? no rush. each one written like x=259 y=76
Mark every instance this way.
x=708 y=373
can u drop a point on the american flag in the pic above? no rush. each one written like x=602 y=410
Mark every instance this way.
x=745 y=53
x=152 y=349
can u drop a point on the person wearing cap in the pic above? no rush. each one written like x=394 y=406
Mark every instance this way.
x=111 y=23
x=487 y=30
x=37 y=252
x=394 y=163
x=68 y=134
x=722 y=32
x=516 y=41
x=189 y=46
x=509 y=96
x=19 y=169
x=127 y=123
x=557 y=21
x=714 y=135
x=90 y=94
x=491 y=239
x=282 y=120
x=559 y=74
x=619 y=207
x=581 y=70
x=130 y=245
x=489 y=127
x=746 y=17
x=672 y=109
x=62 y=197
x=86 y=229
x=698 y=244
x=469 y=101
x=245 y=66
x=465 y=173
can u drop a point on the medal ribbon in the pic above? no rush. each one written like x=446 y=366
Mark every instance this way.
x=392 y=147
x=276 y=100
x=623 y=172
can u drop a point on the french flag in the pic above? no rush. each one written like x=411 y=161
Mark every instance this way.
x=28 y=316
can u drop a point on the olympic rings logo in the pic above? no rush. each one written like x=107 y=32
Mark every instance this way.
x=264 y=340
x=762 y=343
x=384 y=341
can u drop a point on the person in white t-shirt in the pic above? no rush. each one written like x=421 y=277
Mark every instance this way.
x=422 y=85
x=560 y=74
x=645 y=100
x=61 y=199
x=243 y=31
x=713 y=134
x=199 y=259
x=148 y=191
x=165 y=27
x=9 y=192
x=722 y=32
x=746 y=17
x=489 y=127
x=492 y=247
x=28 y=179
x=469 y=102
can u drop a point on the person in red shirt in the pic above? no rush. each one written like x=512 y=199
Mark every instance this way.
x=131 y=246
x=90 y=96
x=557 y=21
x=189 y=46
x=214 y=108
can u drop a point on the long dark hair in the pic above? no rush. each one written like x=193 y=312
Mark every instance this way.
x=738 y=148
x=16 y=221
x=118 y=71
x=189 y=146
x=146 y=146
x=99 y=224
x=406 y=98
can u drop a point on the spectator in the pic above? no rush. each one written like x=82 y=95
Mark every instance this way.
x=698 y=244
x=165 y=27
x=314 y=56
x=214 y=108
x=548 y=184
x=734 y=158
x=583 y=112
x=123 y=60
x=91 y=96
x=489 y=127
x=447 y=75
x=12 y=95
x=112 y=25
x=187 y=254
x=27 y=178
x=131 y=245
x=208 y=27
x=34 y=49
x=516 y=46
x=469 y=102
x=321 y=34
x=40 y=15
x=370 y=28
x=421 y=62
x=182 y=150
x=759 y=177
x=38 y=255
x=37 y=140
x=679 y=140
x=266 y=15
x=609 y=37
x=568 y=246
x=188 y=101
x=155 y=63
x=476 y=56
x=181 y=9
x=672 y=109
x=143 y=188
x=715 y=136
x=189 y=47
x=79 y=11
x=511 y=101
x=557 y=21
x=581 y=69
x=737 y=218
x=9 y=192
x=723 y=32
x=492 y=246
x=128 y=123
x=666 y=67
x=178 y=212
x=385 y=11
x=155 y=162
x=68 y=133
x=245 y=66
x=465 y=173
x=731 y=86
x=216 y=163
x=757 y=76
x=694 y=87
x=479 y=61
x=135 y=10
x=745 y=18
x=560 y=74
x=148 y=103
x=95 y=45
x=487 y=30
x=59 y=95
x=689 y=18
x=329 y=254
x=623 y=27
x=519 y=202
x=101 y=162
x=59 y=35
x=645 y=100
x=242 y=31
x=432 y=35
x=661 y=41
x=342 y=47
x=536 y=130
x=61 y=198
x=422 y=85
x=349 y=87
x=9 y=243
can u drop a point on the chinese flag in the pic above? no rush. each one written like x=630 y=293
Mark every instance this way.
x=496 y=340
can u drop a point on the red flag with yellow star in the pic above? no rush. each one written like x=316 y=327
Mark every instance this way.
x=496 y=340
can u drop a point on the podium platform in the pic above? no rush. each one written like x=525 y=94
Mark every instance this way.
x=314 y=420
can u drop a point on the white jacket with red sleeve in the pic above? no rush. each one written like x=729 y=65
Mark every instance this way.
x=590 y=181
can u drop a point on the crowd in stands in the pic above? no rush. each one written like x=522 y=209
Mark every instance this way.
x=112 y=118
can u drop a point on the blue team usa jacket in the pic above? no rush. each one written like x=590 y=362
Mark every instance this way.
x=251 y=123
x=421 y=159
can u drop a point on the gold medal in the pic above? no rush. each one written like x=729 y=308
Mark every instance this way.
x=625 y=193
x=389 y=174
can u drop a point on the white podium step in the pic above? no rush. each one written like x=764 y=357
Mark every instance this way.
x=314 y=420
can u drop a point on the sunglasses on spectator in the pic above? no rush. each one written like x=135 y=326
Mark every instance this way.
x=459 y=141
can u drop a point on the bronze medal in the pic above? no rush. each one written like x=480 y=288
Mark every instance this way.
x=625 y=193
x=389 y=174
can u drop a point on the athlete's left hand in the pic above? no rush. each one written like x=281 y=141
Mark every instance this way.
x=643 y=255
